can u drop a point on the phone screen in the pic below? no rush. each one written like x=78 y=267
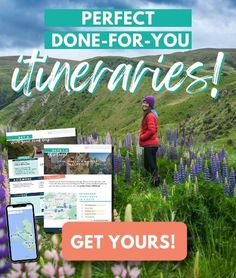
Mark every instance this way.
x=22 y=232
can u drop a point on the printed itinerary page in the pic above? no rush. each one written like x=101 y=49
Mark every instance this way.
x=78 y=184
x=26 y=163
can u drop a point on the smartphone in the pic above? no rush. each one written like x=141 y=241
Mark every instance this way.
x=22 y=233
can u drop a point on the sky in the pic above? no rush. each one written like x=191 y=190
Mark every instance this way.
x=22 y=25
x=101 y=156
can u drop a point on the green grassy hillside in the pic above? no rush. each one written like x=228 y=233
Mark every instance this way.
x=7 y=66
x=206 y=56
x=120 y=112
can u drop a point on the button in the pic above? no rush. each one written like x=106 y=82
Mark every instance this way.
x=129 y=241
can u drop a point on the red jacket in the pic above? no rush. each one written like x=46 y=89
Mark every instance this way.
x=148 y=133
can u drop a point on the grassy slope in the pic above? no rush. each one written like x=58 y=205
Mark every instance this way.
x=120 y=112
x=206 y=56
x=7 y=66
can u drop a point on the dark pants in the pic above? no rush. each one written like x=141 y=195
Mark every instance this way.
x=150 y=159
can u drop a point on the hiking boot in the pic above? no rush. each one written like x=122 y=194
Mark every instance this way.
x=157 y=181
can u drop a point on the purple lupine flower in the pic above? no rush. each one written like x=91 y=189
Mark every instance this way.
x=222 y=154
x=165 y=190
x=182 y=141
x=4 y=251
x=227 y=188
x=179 y=173
x=198 y=164
x=85 y=140
x=68 y=269
x=1 y=179
x=94 y=135
x=79 y=139
x=48 y=270
x=181 y=170
x=169 y=135
x=128 y=141
x=188 y=162
x=119 y=270
x=108 y=139
x=2 y=219
x=133 y=272
x=218 y=163
x=168 y=154
x=232 y=181
x=4 y=266
x=2 y=209
x=179 y=155
x=193 y=172
x=162 y=150
x=55 y=265
x=122 y=270
x=172 y=153
x=213 y=165
x=127 y=168
x=191 y=155
x=1 y=163
x=206 y=172
x=175 y=138
x=225 y=169
x=2 y=194
x=5 y=185
x=158 y=154
x=120 y=162
x=176 y=176
x=217 y=178
x=116 y=163
x=3 y=237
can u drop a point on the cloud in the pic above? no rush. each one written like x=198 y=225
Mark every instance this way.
x=212 y=26
x=22 y=24
x=107 y=4
x=213 y=23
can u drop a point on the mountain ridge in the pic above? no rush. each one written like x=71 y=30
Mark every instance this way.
x=120 y=112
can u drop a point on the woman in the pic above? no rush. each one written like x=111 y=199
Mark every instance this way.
x=148 y=138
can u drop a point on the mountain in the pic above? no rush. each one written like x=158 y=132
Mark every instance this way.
x=7 y=66
x=120 y=112
x=206 y=56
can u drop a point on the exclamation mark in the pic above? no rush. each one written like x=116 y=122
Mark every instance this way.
x=216 y=76
x=172 y=242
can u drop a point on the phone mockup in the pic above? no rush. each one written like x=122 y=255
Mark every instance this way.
x=22 y=233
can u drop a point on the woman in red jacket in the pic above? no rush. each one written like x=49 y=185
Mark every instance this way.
x=148 y=138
